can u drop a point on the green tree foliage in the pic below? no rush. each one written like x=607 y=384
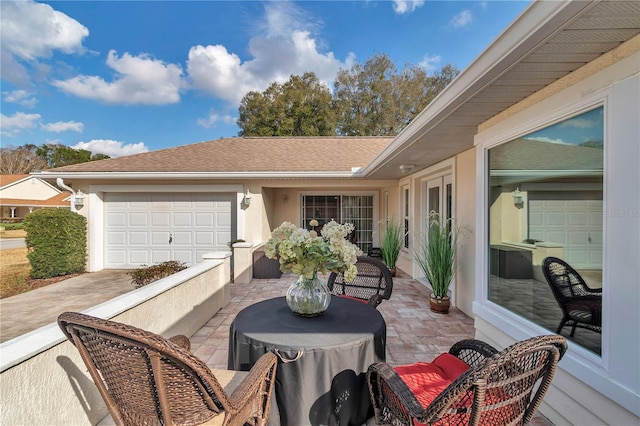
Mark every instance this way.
x=57 y=155
x=56 y=241
x=299 y=107
x=375 y=99
x=29 y=157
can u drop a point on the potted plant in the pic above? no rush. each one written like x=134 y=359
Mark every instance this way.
x=391 y=244
x=436 y=256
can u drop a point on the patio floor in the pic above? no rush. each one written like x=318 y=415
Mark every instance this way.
x=414 y=333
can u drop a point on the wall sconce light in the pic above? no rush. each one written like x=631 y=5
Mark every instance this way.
x=246 y=200
x=406 y=168
x=285 y=199
x=78 y=200
x=517 y=198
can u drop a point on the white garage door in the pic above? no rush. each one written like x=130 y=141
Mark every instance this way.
x=576 y=224
x=149 y=228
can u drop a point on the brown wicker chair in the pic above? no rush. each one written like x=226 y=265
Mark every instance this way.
x=496 y=390
x=373 y=284
x=581 y=305
x=146 y=379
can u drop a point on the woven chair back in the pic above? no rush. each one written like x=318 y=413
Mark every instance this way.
x=373 y=283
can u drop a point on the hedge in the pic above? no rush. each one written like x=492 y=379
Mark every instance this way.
x=56 y=241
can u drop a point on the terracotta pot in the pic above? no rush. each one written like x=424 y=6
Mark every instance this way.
x=439 y=305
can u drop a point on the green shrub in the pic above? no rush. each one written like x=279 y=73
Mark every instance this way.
x=11 y=222
x=148 y=274
x=56 y=241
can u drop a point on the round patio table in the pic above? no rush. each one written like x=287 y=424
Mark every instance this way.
x=321 y=378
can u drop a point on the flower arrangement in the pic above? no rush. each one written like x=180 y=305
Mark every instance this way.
x=306 y=253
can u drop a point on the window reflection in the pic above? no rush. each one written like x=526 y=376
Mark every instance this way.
x=545 y=199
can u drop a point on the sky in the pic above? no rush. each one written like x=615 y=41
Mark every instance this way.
x=125 y=77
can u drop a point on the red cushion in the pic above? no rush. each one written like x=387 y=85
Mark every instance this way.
x=428 y=380
x=353 y=298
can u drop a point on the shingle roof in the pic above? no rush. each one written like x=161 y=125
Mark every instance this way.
x=55 y=201
x=9 y=179
x=253 y=154
x=527 y=154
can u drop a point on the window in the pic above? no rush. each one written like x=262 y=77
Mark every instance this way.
x=356 y=209
x=546 y=199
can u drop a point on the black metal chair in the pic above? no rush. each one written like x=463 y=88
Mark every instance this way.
x=581 y=305
x=372 y=285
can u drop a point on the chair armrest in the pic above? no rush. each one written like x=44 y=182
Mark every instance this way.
x=258 y=384
x=182 y=341
x=392 y=399
x=472 y=351
x=375 y=300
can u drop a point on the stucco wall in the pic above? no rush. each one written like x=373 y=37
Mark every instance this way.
x=43 y=380
x=31 y=189
x=465 y=212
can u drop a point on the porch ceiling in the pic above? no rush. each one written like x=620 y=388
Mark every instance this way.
x=545 y=43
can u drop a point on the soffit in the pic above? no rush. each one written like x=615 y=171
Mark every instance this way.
x=575 y=35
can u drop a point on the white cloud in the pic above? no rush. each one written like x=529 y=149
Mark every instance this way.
x=214 y=118
x=462 y=19
x=12 y=125
x=406 y=6
x=285 y=45
x=139 y=80
x=20 y=97
x=63 y=126
x=547 y=139
x=579 y=123
x=430 y=63
x=111 y=148
x=34 y=30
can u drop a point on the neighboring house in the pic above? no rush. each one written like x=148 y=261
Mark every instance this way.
x=538 y=139
x=22 y=194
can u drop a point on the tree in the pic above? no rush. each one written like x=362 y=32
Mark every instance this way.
x=299 y=107
x=27 y=158
x=375 y=100
x=21 y=160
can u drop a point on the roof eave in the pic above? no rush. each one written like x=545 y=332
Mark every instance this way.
x=200 y=175
x=530 y=29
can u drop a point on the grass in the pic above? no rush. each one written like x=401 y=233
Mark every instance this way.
x=13 y=233
x=14 y=272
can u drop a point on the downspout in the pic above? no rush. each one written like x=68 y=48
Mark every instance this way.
x=62 y=185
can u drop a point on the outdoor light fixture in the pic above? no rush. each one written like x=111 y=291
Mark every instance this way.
x=406 y=168
x=246 y=199
x=78 y=200
x=517 y=198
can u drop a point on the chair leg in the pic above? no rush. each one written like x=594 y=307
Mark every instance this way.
x=573 y=330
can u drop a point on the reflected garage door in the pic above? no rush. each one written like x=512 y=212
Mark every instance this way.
x=149 y=228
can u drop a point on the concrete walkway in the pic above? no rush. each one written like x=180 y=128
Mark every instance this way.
x=26 y=312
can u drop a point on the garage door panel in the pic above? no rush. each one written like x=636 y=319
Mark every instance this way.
x=139 y=238
x=138 y=219
x=160 y=219
x=116 y=219
x=182 y=238
x=183 y=219
x=204 y=219
x=138 y=227
x=116 y=238
x=223 y=219
x=575 y=223
x=205 y=239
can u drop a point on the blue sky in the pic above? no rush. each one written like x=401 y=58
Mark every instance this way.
x=123 y=77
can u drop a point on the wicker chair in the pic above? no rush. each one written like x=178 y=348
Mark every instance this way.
x=581 y=305
x=372 y=285
x=496 y=389
x=146 y=379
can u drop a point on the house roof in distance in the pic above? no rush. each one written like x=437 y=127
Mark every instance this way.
x=9 y=179
x=248 y=155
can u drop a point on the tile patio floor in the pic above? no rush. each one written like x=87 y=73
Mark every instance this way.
x=414 y=333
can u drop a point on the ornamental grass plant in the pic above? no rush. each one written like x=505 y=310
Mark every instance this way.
x=436 y=253
x=391 y=242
